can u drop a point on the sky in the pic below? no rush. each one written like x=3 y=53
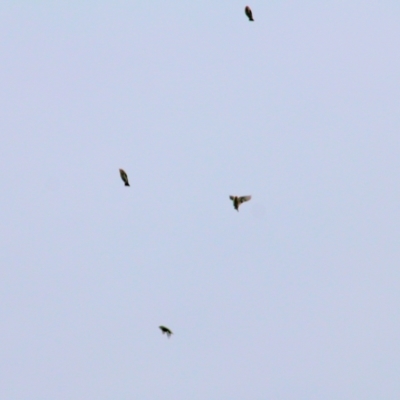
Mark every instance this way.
x=294 y=297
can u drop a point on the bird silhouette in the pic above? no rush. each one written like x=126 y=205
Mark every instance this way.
x=238 y=200
x=164 y=329
x=249 y=13
x=124 y=177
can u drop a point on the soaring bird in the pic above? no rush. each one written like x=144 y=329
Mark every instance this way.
x=124 y=177
x=249 y=13
x=164 y=329
x=238 y=200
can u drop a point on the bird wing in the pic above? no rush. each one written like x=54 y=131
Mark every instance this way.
x=242 y=199
x=232 y=197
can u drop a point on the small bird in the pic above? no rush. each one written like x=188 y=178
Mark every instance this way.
x=249 y=13
x=124 y=177
x=164 y=329
x=238 y=200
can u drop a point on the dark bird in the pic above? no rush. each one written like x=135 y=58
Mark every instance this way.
x=124 y=177
x=238 y=200
x=249 y=13
x=164 y=329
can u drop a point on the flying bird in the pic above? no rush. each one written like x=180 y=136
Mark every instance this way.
x=238 y=200
x=249 y=13
x=164 y=329
x=124 y=177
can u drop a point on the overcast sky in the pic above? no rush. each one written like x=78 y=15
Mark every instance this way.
x=294 y=297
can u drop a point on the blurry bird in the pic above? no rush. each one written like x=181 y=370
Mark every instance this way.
x=238 y=200
x=164 y=329
x=249 y=13
x=124 y=177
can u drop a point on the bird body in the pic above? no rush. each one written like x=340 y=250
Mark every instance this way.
x=166 y=330
x=249 y=13
x=124 y=176
x=238 y=200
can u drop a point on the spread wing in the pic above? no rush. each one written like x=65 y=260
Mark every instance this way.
x=232 y=197
x=242 y=199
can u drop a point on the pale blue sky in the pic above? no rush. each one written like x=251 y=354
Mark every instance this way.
x=296 y=296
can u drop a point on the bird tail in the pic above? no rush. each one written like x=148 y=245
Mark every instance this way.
x=127 y=184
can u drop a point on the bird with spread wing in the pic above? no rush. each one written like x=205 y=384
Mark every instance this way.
x=238 y=200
